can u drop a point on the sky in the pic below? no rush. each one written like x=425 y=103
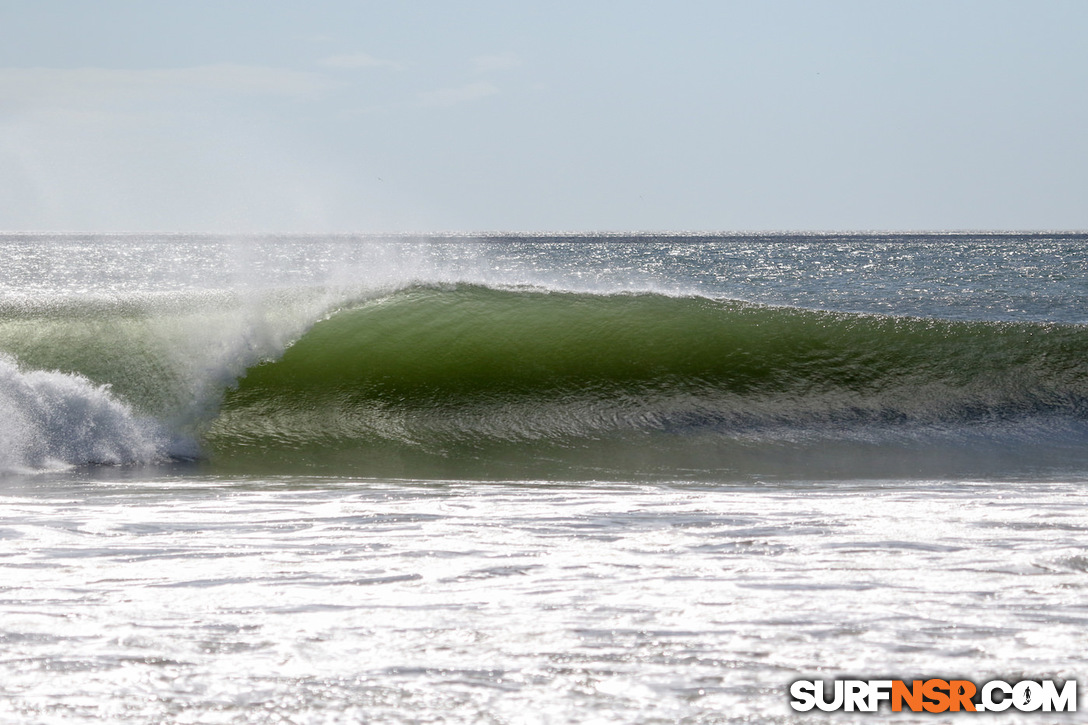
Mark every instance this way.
x=415 y=116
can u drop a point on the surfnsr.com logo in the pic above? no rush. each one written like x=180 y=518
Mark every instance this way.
x=934 y=695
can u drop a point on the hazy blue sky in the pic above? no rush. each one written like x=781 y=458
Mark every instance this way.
x=330 y=115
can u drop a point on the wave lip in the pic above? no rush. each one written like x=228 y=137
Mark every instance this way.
x=51 y=419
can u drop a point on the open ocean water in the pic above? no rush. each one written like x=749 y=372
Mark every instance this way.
x=535 y=479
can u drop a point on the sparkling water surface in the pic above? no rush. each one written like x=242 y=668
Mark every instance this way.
x=1025 y=277
x=296 y=600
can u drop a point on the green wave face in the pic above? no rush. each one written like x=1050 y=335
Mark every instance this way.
x=430 y=380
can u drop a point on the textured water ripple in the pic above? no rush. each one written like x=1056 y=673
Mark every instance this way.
x=311 y=600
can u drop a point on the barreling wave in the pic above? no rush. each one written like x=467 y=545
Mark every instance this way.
x=469 y=373
x=469 y=380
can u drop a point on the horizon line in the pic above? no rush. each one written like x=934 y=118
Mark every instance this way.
x=550 y=233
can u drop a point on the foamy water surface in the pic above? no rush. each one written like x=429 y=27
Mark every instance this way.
x=195 y=600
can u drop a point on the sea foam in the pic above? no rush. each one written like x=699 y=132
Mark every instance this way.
x=51 y=419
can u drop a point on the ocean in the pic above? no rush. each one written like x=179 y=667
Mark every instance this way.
x=583 y=478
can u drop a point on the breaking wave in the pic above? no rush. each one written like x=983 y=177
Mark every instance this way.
x=54 y=420
x=444 y=378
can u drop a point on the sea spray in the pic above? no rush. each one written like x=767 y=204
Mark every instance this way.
x=76 y=368
x=50 y=419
